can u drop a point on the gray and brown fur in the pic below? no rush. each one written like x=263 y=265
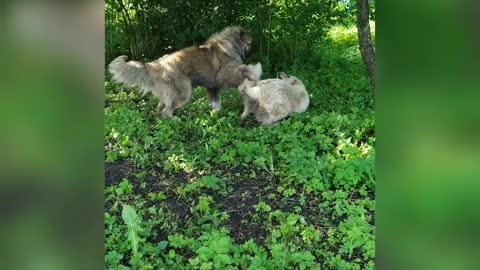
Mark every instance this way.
x=215 y=65
x=272 y=100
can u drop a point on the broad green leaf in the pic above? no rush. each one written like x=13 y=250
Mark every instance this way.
x=130 y=217
x=222 y=258
x=194 y=261
x=206 y=266
x=162 y=245
x=205 y=251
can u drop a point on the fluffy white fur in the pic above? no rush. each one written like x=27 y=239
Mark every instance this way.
x=272 y=100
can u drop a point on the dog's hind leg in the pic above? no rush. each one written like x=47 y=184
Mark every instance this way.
x=159 y=107
x=166 y=95
x=214 y=98
x=183 y=93
x=167 y=111
x=177 y=104
x=263 y=116
x=174 y=95
x=248 y=107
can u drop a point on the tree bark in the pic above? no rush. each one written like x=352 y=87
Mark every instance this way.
x=365 y=41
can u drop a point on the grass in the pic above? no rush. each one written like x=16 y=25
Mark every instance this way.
x=201 y=191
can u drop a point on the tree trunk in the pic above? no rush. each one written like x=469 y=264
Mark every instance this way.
x=365 y=41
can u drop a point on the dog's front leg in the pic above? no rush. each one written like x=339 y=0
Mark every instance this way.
x=214 y=98
x=247 y=108
x=232 y=77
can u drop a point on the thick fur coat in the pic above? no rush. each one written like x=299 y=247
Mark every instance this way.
x=272 y=100
x=215 y=65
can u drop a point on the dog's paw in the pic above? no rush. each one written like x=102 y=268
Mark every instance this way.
x=216 y=106
x=243 y=124
x=255 y=71
x=274 y=124
x=166 y=114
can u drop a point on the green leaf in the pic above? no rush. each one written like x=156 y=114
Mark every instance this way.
x=162 y=245
x=206 y=266
x=177 y=240
x=194 y=261
x=204 y=203
x=130 y=218
x=161 y=196
x=152 y=210
x=223 y=259
x=205 y=251
x=211 y=182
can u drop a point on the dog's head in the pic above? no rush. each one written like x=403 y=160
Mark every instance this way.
x=233 y=40
x=292 y=80
x=246 y=40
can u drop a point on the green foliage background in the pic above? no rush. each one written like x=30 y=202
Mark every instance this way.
x=284 y=31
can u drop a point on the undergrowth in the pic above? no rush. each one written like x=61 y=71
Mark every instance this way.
x=202 y=191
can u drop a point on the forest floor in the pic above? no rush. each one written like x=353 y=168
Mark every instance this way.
x=202 y=191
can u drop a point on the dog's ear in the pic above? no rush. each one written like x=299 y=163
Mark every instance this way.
x=242 y=33
x=282 y=75
x=205 y=48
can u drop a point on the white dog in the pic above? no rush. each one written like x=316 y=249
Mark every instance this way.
x=274 y=99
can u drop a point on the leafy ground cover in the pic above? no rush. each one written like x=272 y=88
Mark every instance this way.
x=203 y=191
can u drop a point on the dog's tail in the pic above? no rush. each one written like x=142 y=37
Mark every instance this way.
x=131 y=73
x=255 y=71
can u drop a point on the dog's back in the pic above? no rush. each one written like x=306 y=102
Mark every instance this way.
x=298 y=98
x=276 y=98
x=279 y=91
x=297 y=93
x=270 y=96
